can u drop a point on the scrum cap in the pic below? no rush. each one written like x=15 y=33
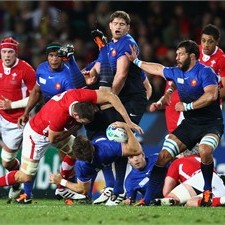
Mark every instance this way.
x=9 y=43
x=53 y=47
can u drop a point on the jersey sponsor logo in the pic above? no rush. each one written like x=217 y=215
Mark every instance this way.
x=193 y=83
x=58 y=86
x=180 y=80
x=42 y=80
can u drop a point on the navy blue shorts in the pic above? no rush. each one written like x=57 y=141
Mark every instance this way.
x=191 y=133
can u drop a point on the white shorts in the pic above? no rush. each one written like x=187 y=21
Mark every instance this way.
x=197 y=181
x=34 y=145
x=10 y=133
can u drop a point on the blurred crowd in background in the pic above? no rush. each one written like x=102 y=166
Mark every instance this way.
x=157 y=26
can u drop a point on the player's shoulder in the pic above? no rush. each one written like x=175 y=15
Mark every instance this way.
x=127 y=40
x=24 y=64
x=43 y=67
x=220 y=55
x=204 y=68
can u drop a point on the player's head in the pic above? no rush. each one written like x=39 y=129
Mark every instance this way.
x=211 y=30
x=53 y=47
x=54 y=60
x=187 y=54
x=137 y=161
x=9 y=51
x=119 y=24
x=122 y=15
x=84 y=112
x=83 y=149
x=11 y=43
x=209 y=39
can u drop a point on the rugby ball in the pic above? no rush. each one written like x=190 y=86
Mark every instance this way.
x=117 y=134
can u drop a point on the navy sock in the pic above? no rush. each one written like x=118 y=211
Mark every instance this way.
x=207 y=172
x=155 y=185
x=120 y=168
x=28 y=187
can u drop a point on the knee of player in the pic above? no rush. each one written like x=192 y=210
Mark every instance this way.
x=7 y=157
x=28 y=169
x=164 y=157
x=170 y=148
x=206 y=156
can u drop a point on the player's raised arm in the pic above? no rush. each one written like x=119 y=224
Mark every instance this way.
x=149 y=67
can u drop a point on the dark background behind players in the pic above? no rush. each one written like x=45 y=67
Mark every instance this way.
x=157 y=27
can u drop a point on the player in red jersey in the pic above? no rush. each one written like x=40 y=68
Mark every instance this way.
x=17 y=79
x=184 y=181
x=67 y=110
x=210 y=55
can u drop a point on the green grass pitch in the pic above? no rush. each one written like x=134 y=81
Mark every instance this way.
x=55 y=212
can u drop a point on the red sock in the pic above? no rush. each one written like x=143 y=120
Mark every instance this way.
x=8 y=179
x=67 y=167
x=216 y=201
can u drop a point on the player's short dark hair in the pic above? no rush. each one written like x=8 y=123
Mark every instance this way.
x=83 y=149
x=190 y=47
x=120 y=14
x=86 y=110
x=211 y=30
x=53 y=47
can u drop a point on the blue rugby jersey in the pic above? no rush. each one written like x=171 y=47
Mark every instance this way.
x=134 y=83
x=137 y=180
x=190 y=86
x=53 y=82
x=106 y=152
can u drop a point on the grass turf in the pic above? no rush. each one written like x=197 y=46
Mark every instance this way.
x=55 y=212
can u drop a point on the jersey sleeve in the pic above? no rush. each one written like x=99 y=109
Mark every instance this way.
x=29 y=76
x=169 y=73
x=77 y=77
x=221 y=66
x=88 y=95
x=125 y=46
x=83 y=172
x=130 y=191
x=209 y=77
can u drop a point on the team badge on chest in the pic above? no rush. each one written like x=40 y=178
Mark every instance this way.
x=57 y=86
x=193 y=83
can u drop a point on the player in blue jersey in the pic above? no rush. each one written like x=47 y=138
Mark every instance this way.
x=137 y=180
x=92 y=156
x=198 y=90
x=122 y=77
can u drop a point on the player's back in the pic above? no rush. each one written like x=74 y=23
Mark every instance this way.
x=183 y=168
